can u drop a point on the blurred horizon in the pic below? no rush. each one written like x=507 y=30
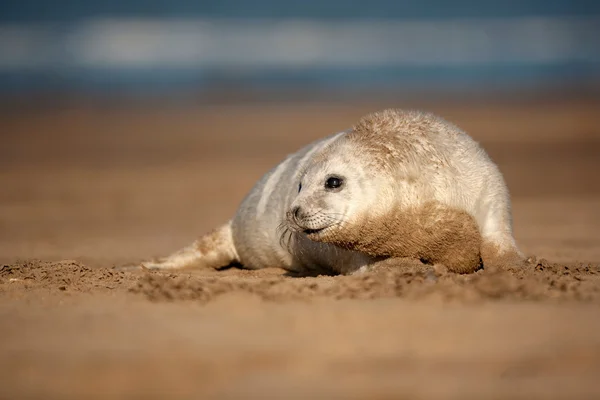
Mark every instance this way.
x=180 y=46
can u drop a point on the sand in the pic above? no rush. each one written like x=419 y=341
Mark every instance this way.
x=89 y=187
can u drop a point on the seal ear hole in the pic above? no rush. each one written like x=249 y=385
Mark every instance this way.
x=334 y=182
x=299 y=187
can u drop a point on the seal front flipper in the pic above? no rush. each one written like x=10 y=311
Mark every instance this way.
x=213 y=250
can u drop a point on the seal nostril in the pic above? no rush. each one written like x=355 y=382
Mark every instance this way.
x=296 y=211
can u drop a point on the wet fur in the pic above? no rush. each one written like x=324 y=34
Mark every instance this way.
x=432 y=233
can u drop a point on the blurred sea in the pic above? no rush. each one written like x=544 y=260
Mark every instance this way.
x=133 y=45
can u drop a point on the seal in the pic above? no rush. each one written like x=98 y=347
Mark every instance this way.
x=398 y=184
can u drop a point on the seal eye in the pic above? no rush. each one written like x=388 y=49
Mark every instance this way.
x=333 y=182
x=299 y=187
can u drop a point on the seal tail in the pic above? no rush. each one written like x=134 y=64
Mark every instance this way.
x=213 y=250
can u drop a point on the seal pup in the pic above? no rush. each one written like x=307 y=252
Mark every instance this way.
x=397 y=184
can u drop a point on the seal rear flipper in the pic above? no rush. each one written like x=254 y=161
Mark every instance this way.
x=213 y=250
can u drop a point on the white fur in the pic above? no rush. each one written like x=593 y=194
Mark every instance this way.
x=269 y=187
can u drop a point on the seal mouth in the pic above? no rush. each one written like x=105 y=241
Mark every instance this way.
x=313 y=231
x=316 y=233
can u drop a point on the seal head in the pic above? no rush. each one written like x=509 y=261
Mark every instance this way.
x=335 y=191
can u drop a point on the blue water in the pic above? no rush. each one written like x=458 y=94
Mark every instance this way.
x=65 y=15
x=72 y=10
